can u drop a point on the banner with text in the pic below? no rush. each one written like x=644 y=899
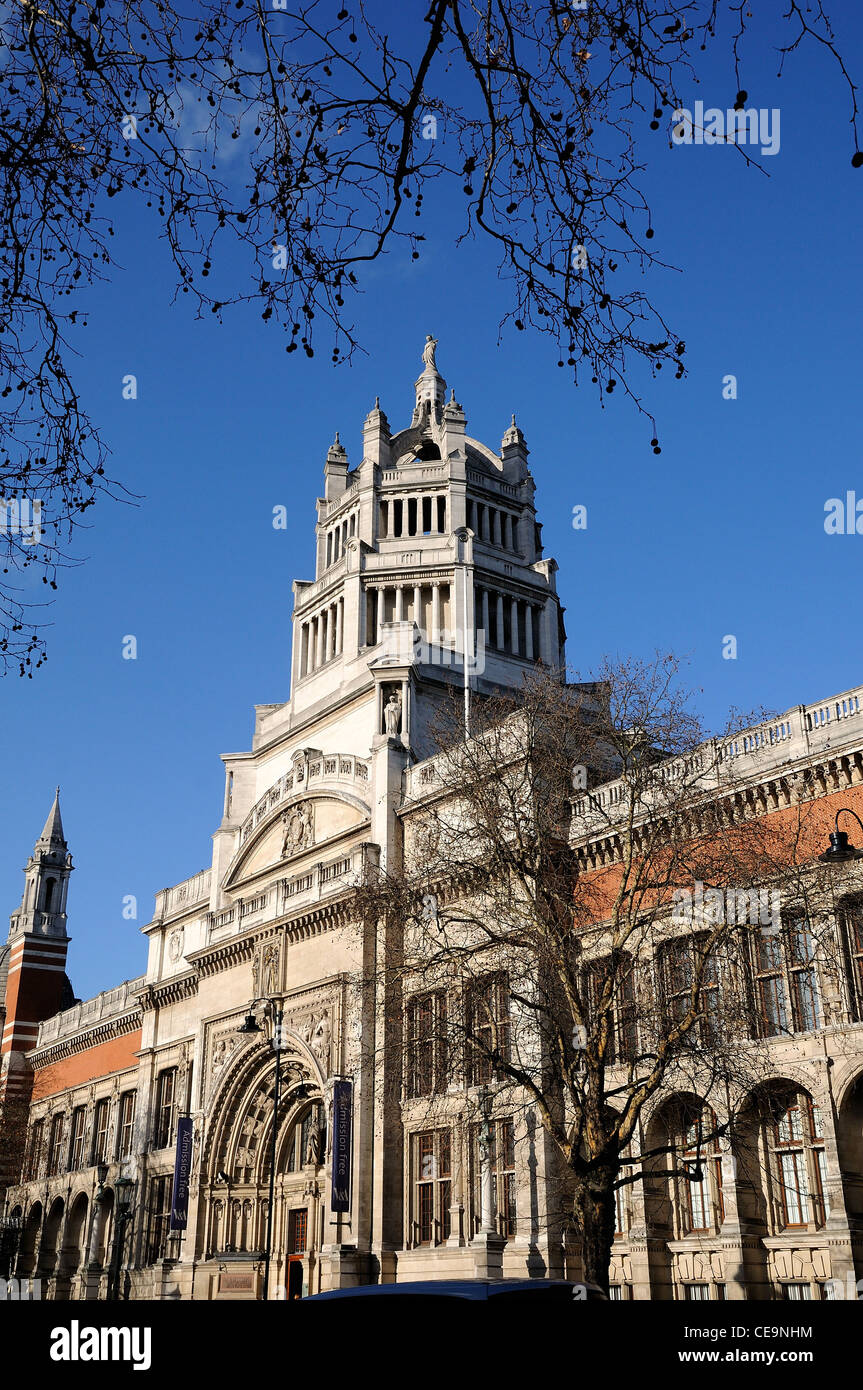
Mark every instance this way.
x=343 y=1099
x=182 y=1169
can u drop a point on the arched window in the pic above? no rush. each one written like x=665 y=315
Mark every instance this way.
x=795 y=1139
x=697 y=1160
x=50 y=885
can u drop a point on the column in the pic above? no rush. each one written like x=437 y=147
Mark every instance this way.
x=340 y=616
x=499 y=633
x=399 y=609
x=319 y=641
x=528 y=631
x=485 y=622
x=435 y=622
x=514 y=626
x=376 y=615
x=329 y=547
x=418 y=607
x=304 y=649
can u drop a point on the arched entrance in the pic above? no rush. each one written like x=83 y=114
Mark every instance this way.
x=73 y=1252
x=236 y=1173
x=29 y=1241
x=48 y=1250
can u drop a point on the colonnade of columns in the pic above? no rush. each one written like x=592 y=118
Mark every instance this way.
x=322 y=637
x=510 y=624
x=412 y=516
x=493 y=525
x=338 y=538
x=428 y=605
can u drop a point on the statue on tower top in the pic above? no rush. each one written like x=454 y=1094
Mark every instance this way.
x=429 y=352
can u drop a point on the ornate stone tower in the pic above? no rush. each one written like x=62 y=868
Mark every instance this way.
x=428 y=554
x=33 y=961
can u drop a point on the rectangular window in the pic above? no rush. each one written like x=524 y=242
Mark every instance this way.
x=805 y=1004
x=159 y=1215
x=426 y=1045
x=34 y=1151
x=125 y=1124
x=797 y=1293
x=432 y=1177
x=100 y=1131
x=786 y=981
x=298 y=1225
x=623 y=1040
x=55 y=1145
x=76 y=1145
x=697 y=1293
x=488 y=1028
x=771 y=997
x=853 y=922
x=166 y=1086
x=685 y=968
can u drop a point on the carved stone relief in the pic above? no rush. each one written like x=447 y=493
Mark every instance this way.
x=299 y=824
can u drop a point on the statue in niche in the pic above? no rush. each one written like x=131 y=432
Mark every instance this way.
x=429 y=352
x=321 y=1042
x=270 y=969
x=315 y=1145
x=393 y=715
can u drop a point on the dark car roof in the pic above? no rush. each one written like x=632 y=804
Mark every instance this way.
x=462 y=1288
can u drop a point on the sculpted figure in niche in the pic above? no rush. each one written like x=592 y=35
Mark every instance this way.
x=313 y=1152
x=321 y=1043
x=392 y=715
x=271 y=962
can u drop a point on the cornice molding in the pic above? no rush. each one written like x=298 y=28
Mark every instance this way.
x=93 y=1036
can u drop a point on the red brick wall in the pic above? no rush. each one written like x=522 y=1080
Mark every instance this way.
x=102 y=1060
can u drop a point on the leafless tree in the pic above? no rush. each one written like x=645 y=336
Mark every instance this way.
x=575 y=922
x=283 y=148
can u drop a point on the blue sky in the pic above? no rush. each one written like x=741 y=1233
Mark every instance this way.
x=720 y=534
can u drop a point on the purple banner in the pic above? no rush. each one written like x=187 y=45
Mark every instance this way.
x=182 y=1169
x=343 y=1109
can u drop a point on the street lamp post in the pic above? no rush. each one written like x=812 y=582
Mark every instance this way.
x=122 y=1216
x=485 y=1147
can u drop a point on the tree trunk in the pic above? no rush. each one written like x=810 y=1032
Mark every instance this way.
x=594 y=1217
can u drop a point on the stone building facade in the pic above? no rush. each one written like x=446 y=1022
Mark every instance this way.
x=431 y=536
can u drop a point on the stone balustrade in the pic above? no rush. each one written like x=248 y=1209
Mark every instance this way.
x=109 y=1004
x=171 y=902
x=318 y=881
x=320 y=770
